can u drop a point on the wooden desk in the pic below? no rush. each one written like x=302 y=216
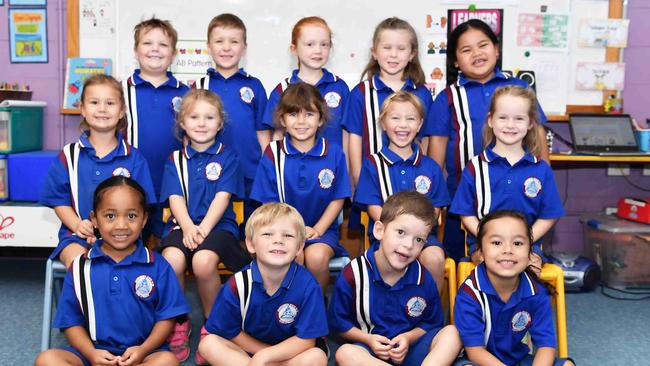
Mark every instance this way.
x=568 y=158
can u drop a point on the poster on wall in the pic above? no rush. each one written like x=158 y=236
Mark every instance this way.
x=492 y=17
x=77 y=70
x=192 y=59
x=603 y=33
x=27 y=35
x=548 y=31
x=600 y=76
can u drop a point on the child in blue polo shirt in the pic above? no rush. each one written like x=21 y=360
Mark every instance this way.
x=393 y=66
x=272 y=311
x=501 y=307
x=459 y=112
x=243 y=96
x=200 y=182
x=401 y=166
x=385 y=303
x=99 y=154
x=119 y=300
x=508 y=173
x=152 y=94
x=311 y=42
x=307 y=172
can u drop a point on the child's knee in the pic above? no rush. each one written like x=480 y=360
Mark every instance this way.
x=204 y=264
x=313 y=357
x=317 y=259
x=175 y=257
x=348 y=355
x=163 y=358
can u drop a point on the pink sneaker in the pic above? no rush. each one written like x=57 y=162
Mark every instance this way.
x=198 y=359
x=179 y=341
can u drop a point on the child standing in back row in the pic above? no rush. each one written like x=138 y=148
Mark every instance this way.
x=200 y=183
x=99 y=154
x=243 y=97
x=393 y=66
x=152 y=95
x=311 y=42
x=459 y=112
x=508 y=173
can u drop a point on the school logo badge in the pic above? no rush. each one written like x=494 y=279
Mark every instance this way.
x=422 y=184
x=122 y=171
x=521 y=320
x=176 y=104
x=213 y=171
x=246 y=94
x=532 y=187
x=415 y=306
x=144 y=286
x=287 y=313
x=326 y=178
x=333 y=99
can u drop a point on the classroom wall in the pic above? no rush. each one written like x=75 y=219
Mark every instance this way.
x=44 y=79
x=636 y=56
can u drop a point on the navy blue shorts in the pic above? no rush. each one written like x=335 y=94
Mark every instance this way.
x=417 y=352
x=528 y=361
x=85 y=361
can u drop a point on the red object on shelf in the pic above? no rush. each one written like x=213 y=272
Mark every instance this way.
x=635 y=209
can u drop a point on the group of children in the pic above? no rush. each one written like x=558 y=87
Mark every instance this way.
x=309 y=147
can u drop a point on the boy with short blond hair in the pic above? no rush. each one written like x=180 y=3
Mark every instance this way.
x=243 y=96
x=385 y=303
x=272 y=310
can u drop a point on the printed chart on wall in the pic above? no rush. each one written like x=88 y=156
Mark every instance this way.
x=28 y=35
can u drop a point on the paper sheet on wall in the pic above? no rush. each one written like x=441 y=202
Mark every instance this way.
x=548 y=31
x=603 y=33
x=600 y=76
x=97 y=24
x=191 y=60
x=552 y=75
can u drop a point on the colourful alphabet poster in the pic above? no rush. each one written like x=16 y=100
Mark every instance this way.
x=77 y=70
x=27 y=35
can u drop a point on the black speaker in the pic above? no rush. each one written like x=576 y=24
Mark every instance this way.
x=529 y=77
x=580 y=273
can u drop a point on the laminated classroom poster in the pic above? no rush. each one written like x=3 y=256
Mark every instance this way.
x=192 y=59
x=549 y=31
x=600 y=76
x=28 y=35
x=603 y=33
x=77 y=70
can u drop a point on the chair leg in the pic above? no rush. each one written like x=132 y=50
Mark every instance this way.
x=47 y=305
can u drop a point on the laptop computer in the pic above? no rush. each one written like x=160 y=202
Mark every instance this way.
x=603 y=135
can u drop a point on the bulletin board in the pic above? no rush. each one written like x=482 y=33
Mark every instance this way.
x=104 y=28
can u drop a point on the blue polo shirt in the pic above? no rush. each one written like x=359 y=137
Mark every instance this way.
x=444 y=120
x=128 y=298
x=244 y=100
x=90 y=170
x=155 y=121
x=527 y=312
x=385 y=310
x=335 y=92
x=528 y=186
x=295 y=309
x=354 y=120
x=209 y=172
x=312 y=180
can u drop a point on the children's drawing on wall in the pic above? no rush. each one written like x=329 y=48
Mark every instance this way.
x=436 y=23
x=27 y=35
x=96 y=17
x=603 y=33
x=600 y=76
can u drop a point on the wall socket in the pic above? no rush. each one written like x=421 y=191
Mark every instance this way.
x=646 y=170
x=618 y=170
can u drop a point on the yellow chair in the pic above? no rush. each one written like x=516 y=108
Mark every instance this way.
x=450 y=270
x=553 y=275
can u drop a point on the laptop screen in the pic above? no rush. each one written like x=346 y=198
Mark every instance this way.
x=602 y=131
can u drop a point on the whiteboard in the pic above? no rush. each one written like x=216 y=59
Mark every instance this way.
x=269 y=25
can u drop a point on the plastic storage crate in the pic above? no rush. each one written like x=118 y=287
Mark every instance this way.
x=620 y=249
x=21 y=129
